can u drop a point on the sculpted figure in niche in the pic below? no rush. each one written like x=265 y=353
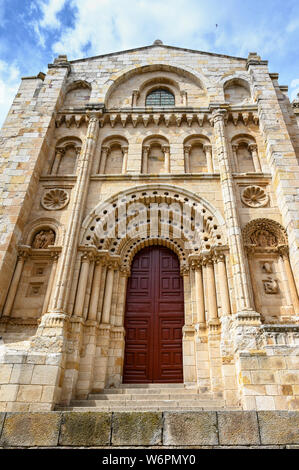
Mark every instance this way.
x=263 y=238
x=267 y=268
x=270 y=286
x=43 y=239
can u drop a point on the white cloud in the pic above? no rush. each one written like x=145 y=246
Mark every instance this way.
x=111 y=25
x=9 y=84
x=50 y=10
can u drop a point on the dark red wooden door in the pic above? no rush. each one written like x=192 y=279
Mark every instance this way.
x=154 y=318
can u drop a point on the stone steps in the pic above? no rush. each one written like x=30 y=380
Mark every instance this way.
x=148 y=397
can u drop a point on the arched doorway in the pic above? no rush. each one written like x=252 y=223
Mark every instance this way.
x=154 y=318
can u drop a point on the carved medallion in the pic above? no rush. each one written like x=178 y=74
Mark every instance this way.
x=55 y=199
x=43 y=239
x=254 y=196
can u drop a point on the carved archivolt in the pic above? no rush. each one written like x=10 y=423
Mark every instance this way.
x=254 y=196
x=150 y=214
x=264 y=233
x=55 y=199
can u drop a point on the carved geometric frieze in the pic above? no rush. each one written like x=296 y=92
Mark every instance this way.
x=55 y=199
x=254 y=196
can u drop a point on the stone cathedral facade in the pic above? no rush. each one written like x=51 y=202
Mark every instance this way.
x=150 y=232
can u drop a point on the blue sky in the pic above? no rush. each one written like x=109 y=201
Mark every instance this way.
x=33 y=32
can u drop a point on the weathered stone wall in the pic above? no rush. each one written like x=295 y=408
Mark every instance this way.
x=206 y=429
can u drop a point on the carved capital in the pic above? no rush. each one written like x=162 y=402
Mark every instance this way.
x=207 y=148
x=165 y=149
x=219 y=115
x=252 y=147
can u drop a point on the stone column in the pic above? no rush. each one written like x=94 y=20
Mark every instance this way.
x=83 y=278
x=211 y=290
x=187 y=149
x=290 y=278
x=104 y=155
x=95 y=290
x=59 y=300
x=108 y=295
x=199 y=294
x=208 y=152
x=59 y=152
x=166 y=151
x=223 y=284
x=184 y=97
x=235 y=158
x=241 y=281
x=256 y=161
x=145 y=152
x=22 y=256
x=135 y=96
x=125 y=159
x=55 y=257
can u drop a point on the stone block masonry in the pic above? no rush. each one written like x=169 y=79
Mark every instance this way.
x=204 y=429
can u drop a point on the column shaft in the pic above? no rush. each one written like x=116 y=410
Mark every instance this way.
x=81 y=290
x=223 y=284
x=14 y=286
x=50 y=285
x=208 y=152
x=95 y=291
x=200 y=303
x=211 y=287
x=145 y=153
x=104 y=154
x=108 y=296
x=60 y=297
x=241 y=280
x=125 y=160
x=291 y=282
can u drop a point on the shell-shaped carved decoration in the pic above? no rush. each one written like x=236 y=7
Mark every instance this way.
x=55 y=199
x=254 y=196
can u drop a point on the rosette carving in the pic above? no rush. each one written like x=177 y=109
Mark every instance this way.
x=254 y=196
x=55 y=199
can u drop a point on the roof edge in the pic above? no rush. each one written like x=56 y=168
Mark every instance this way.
x=154 y=45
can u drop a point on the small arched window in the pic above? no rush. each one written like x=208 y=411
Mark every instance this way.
x=160 y=97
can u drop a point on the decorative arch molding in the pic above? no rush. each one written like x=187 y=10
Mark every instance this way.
x=264 y=234
x=40 y=224
x=241 y=77
x=129 y=72
x=69 y=141
x=243 y=138
x=197 y=138
x=191 y=223
x=129 y=248
x=155 y=139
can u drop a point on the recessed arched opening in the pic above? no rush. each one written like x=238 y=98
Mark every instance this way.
x=160 y=97
x=154 y=318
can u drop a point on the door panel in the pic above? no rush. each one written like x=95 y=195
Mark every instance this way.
x=154 y=318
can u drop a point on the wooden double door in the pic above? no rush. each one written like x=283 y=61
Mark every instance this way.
x=154 y=318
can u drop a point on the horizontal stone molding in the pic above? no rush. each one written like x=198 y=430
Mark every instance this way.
x=198 y=429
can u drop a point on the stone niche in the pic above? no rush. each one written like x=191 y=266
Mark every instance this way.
x=273 y=285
